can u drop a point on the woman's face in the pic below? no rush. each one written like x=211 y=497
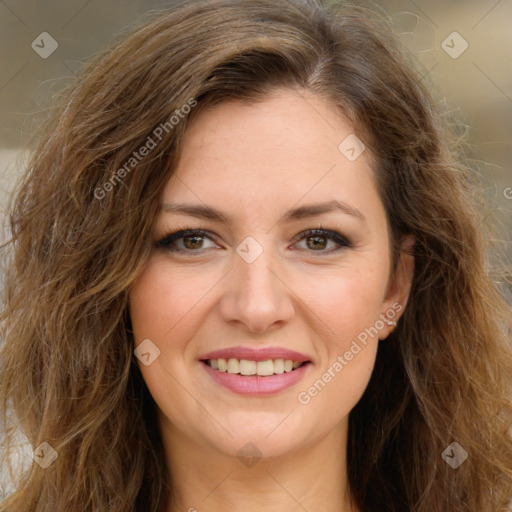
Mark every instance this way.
x=256 y=286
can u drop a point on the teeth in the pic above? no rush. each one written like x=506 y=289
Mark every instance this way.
x=247 y=367
x=278 y=365
x=265 y=367
x=261 y=368
x=233 y=366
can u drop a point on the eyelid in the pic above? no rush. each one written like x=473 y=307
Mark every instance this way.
x=342 y=241
x=165 y=242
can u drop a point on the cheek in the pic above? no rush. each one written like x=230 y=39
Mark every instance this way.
x=347 y=351
x=161 y=300
x=165 y=306
x=352 y=306
x=348 y=307
x=346 y=300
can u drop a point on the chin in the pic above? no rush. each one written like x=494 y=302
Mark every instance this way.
x=262 y=435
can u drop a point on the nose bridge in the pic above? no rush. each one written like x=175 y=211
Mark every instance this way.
x=258 y=278
x=257 y=294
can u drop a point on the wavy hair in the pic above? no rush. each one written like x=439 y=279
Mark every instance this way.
x=68 y=372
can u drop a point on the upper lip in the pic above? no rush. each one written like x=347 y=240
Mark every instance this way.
x=256 y=354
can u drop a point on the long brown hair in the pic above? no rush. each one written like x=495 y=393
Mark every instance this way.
x=68 y=369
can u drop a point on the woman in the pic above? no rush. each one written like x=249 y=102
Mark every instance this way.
x=248 y=274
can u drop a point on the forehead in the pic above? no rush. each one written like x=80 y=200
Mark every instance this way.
x=278 y=152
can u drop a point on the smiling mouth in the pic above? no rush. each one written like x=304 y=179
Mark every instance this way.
x=246 y=367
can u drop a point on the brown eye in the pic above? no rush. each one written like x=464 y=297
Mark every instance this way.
x=193 y=241
x=185 y=240
x=316 y=242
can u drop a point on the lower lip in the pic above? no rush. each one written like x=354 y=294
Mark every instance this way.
x=256 y=385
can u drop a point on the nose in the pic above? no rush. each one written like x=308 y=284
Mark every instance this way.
x=257 y=295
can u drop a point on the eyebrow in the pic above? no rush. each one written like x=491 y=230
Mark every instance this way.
x=203 y=211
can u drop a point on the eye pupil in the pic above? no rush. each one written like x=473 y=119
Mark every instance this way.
x=322 y=244
x=195 y=245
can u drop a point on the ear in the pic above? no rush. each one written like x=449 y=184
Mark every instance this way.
x=399 y=285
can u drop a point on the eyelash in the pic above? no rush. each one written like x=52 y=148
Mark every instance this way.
x=167 y=241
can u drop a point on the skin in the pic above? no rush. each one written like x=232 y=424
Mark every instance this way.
x=254 y=163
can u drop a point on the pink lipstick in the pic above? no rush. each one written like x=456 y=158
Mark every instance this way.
x=255 y=372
